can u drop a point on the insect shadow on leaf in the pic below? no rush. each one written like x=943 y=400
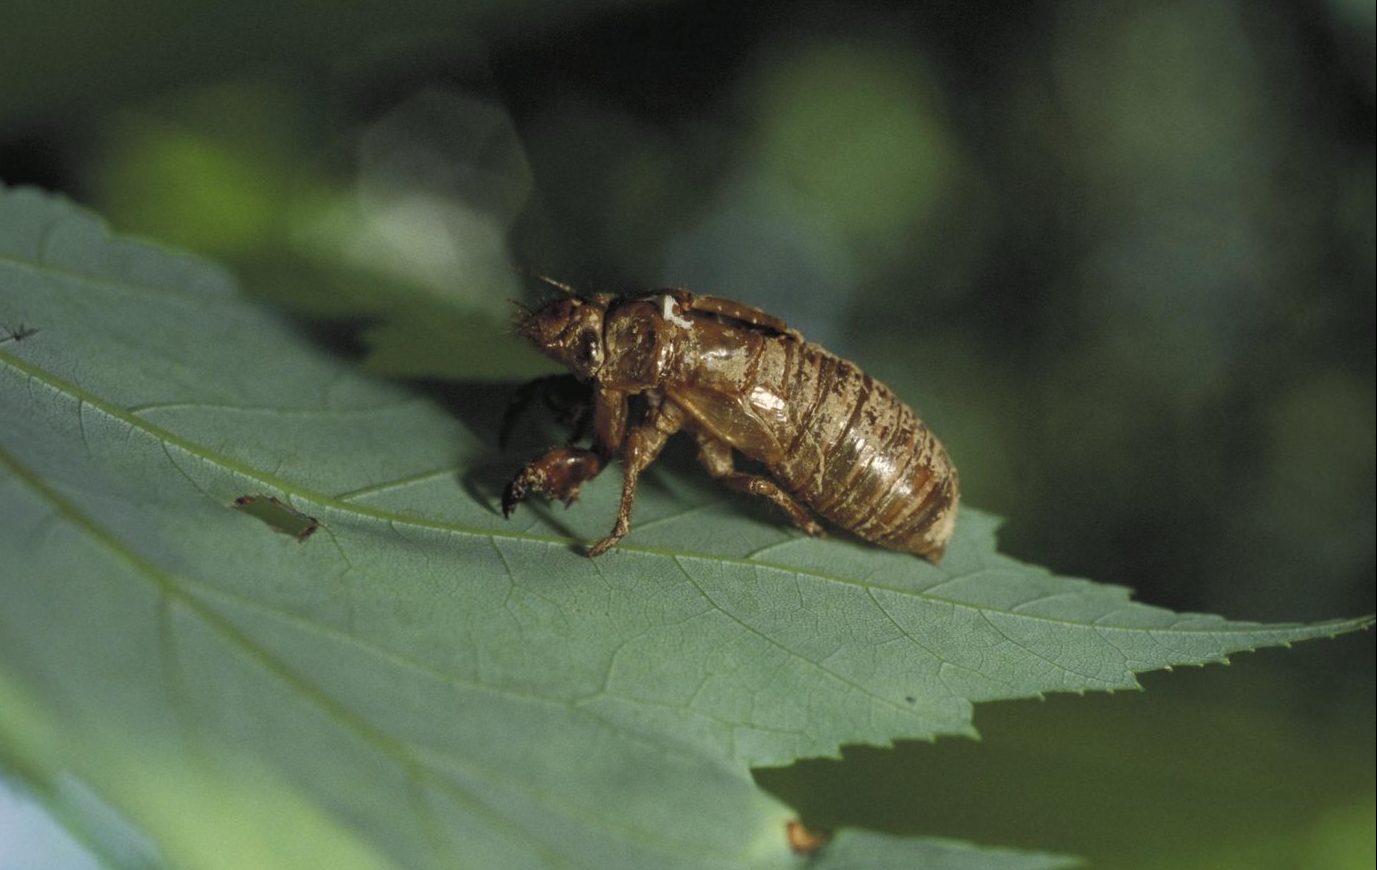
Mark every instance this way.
x=570 y=399
x=482 y=407
x=16 y=333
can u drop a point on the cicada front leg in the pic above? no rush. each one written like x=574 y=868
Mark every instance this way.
x=556 y=474
x=561 y=471
x=642 y=445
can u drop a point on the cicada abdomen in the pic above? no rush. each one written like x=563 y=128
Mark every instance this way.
x=860 y=457
x=835 y=438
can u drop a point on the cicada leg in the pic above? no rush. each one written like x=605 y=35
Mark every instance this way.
x=556 y=474
x=642 y=445
x=561 y=471
x=716 y=457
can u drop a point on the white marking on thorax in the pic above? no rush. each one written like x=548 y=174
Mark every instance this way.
x=667 y=311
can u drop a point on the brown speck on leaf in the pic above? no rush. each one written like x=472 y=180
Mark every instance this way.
x=802 y=840
x=310 y=529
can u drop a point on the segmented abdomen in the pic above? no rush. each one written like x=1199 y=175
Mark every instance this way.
x=860 y=457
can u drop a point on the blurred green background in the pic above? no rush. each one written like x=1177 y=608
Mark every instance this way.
x=1119 y=255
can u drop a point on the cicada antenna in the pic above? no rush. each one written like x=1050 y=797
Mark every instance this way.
x=558 y=285
x=546 y=279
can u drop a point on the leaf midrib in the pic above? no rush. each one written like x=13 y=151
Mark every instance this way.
x=166 y=437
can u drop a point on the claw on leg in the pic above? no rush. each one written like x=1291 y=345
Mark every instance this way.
x=610 y=541
x=557 y=474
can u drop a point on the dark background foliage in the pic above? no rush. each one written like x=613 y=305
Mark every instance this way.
x=1120 y=256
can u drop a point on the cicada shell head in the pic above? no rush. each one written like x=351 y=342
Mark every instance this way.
x=567 y=330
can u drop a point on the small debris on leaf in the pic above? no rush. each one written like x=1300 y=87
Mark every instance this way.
x=278 y=515
x=802 y=840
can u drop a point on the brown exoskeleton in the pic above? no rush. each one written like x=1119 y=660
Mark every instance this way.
x=833 y=439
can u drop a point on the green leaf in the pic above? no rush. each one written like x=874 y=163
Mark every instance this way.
x=856 y=849
x=416 y=681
